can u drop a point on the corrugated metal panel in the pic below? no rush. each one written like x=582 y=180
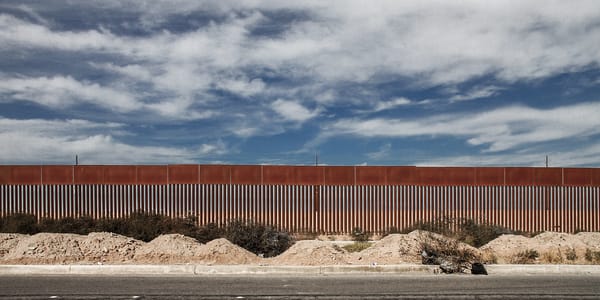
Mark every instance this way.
x=335 y=200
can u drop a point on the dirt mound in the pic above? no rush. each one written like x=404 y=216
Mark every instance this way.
x=10 y=240
x=223 y=252
x=403 y=248
x=312 y=253
x=590 y=239
x=47 y=248
x=392 y=249
x=170 y=249
x=552 y=247
x=106 y=247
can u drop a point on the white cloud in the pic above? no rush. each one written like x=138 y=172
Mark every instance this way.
x=218 y=148
x=14 y=31
x=134 y=71
x=242 y=86
x=33 y=14
x=499 y=129
x=293 y=111
x=37 y=141
x=383 y=152
x=585 y=156
x=434 y=42
x=60 y=92
x=476 y=93
x=333 y=44
x=385 y=105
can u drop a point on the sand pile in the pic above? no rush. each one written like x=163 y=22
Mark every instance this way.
x=403 y=248
x=10 y=240
x=590 y=239
x=46 y=248
x=106 y=247
x=110 y=248
x=312 y=253
x=169 y=249
x=552 y=247
x=392 y=249
x=223 y=252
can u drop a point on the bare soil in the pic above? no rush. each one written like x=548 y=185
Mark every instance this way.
x=110 y=248
x=312 y=253
x=552 y=247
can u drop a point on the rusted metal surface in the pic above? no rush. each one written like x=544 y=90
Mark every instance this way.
x=57 y=174
x=120 y=175
x=312 y=199
x=152 y=174
x=181 y=174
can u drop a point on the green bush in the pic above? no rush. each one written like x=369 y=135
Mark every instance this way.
x=258 y=238
x=19 y=223
x=571 y=254
x=81 y=225
x=357 y=246
x=465 y=230
x=146 y=226
x=478 y=235
x=359 y=235
x=592 y=256
x=209 y=232
x=526 y=257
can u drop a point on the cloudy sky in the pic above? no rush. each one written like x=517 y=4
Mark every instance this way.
x=274 y=82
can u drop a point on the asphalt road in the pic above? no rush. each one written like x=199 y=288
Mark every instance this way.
x=301 y=287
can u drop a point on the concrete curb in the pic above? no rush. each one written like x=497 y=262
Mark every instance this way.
x=200 y=270
x=206 y=270
x=543 y=269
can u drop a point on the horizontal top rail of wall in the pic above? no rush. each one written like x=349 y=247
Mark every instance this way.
x=297 y=175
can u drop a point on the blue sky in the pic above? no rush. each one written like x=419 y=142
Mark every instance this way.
x=470 y=83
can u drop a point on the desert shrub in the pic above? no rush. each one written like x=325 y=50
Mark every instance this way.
x=442 y=247
x=359 y=235
x=80 y=225
x=146 y=226
x=209 y=232
x=143 y=226
x=476 y=234
x=465 y=230
x=443 y=225
x=186 y=226
x=592 y=256
x=337 y=248
x=19 y=223
x=571 y=254
x=447 y=253
x=553 y=257
x=357 y=246
x=258 y=238
x=526 y=257
x=489 y=258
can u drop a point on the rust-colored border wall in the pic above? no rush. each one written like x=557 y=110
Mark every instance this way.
x=312 y=198
x=300 y=175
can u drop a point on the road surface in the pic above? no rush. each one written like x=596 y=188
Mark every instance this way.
x=301 y=287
